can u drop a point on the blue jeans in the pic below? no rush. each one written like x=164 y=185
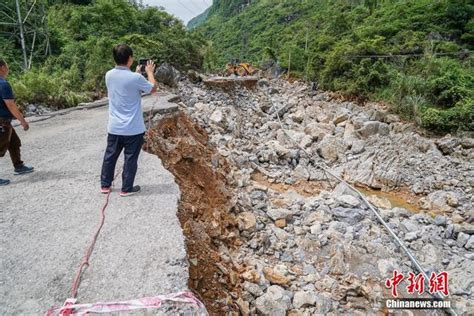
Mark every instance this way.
x=131 y=145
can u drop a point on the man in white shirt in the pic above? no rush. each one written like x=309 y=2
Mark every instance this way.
x=126 y=127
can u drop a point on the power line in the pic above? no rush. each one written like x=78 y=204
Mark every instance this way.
x=179 y=1
x=195 y=5
x=409 y=55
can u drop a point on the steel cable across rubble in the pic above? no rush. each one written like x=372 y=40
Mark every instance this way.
x=322 y=166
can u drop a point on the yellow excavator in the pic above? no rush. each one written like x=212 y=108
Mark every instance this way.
x=235 y=67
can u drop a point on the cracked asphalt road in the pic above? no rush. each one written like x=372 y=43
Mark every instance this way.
x=47 y=220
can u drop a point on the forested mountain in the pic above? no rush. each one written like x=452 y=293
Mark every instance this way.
x=69 y=65
x=412 y=53
x=198 y=20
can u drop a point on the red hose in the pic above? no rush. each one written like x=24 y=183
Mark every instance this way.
x=85 y=260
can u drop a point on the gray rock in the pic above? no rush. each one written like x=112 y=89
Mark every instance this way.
x=316 y=229
x=273 y=91
x=263 y=83
x=279 y=213
x=409 y=225
x=304 y=299
x=274 y=302
x=331 y=148
x=442 y=201
x=323 y=305
x=391 y=118
x=440 y=220
x=384 y=130
x=217 y=117
x=348 y=215
x=348 y=201
x=386 y=266
x=470 y=243
x=358 y=146
x=309 y=269
x=371 y=128
x=466 y=228
x=167 y=74
x=449 y=232
x=194 y=76
x=267 y=306
x=462 y=239
x=341 y=116
x=467 y=143
x=342 y=189
x=447 y=144
x=252 y=288
x=411 y=236
x=318 y=130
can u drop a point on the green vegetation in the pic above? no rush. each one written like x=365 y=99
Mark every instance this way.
x=198 y=20
x=82 y=34
x=412 y=54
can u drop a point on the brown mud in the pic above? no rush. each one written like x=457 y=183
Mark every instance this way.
x=204 y=210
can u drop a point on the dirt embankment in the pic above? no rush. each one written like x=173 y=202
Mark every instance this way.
x=204 y=208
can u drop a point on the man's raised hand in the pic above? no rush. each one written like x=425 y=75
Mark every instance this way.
x=150 y=68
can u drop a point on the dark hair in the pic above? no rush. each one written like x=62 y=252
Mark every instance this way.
x=2 y=62
x=121 y=54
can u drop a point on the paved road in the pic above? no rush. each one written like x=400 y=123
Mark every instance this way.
x=47 y=219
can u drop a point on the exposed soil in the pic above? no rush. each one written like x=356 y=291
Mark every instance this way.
x=204 y=208
x=398 y=198
x=304 y=188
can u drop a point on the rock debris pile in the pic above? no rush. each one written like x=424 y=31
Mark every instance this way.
x=309 y=245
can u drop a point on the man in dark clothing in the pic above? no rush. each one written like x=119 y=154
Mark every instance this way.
x=9 y=140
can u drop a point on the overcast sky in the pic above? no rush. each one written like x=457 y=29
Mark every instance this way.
x=183 y=9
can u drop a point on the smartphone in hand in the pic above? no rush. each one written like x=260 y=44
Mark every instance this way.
x=142 y=62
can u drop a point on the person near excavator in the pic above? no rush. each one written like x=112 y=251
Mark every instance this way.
x=9 y=140
x=126 y=128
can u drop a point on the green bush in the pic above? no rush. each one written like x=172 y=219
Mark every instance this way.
x=39 y=87
x=459 y=117
x=82 y=36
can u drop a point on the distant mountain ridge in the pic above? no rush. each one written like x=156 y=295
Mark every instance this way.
x=198 y=20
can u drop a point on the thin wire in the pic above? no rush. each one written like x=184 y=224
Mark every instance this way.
x=409 y=55
x=179 y=1
x=321 y=165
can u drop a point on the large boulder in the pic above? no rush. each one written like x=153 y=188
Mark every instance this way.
x=274 y=302
x=167 y=74
x=304 y=299
x=348 y=215
x=331 y=148
x=318 y=130
x=447 y=144
x=371 y=128
x=443 y=201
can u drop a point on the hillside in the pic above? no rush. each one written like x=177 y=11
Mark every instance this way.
x=198 y=20
x=81 y=35
x=411 y=54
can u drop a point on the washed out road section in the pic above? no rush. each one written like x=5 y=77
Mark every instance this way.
x=48 y=218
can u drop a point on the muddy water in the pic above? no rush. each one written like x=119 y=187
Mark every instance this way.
x=397 y=199
x=400 y=198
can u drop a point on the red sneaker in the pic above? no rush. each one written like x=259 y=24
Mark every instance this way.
x=135 y=189
x=105 y=190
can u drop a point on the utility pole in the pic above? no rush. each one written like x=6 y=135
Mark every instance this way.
x=22 y=35
x=289 y=64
